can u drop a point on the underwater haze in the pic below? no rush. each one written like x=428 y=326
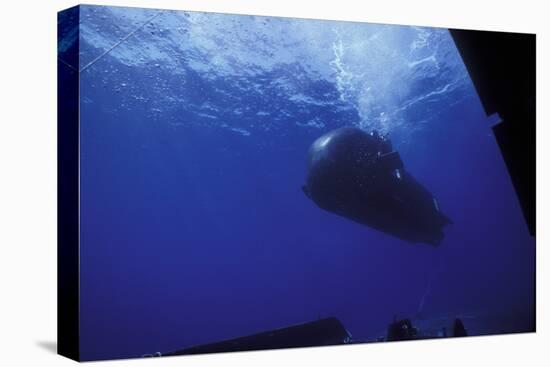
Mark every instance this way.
x=194 y=135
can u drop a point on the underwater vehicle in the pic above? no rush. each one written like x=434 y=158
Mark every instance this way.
x=444 y=328
x=357 y=175
x=323 y=332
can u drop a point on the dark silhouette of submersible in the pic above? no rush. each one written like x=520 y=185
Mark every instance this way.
x=357 y=175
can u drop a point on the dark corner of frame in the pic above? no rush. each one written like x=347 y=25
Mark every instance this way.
x=502 y=66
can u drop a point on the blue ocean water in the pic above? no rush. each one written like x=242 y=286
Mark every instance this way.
x=193 y=137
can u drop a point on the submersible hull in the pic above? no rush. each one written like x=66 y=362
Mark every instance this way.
x=357 y=175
